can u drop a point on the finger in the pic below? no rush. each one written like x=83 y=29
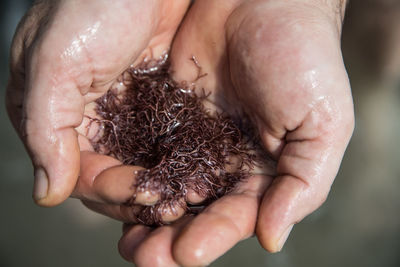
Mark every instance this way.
x=104 y=179
x=220 y=226
x=194 y=198
x=162 y=213
x=132 y=237
x=172 y=213
x=150 y=215
x=307 y=167
x=155 y=249
x=121 y=213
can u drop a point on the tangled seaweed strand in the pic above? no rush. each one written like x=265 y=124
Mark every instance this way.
x=163 y=126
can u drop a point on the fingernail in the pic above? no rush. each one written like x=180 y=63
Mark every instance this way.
x=146 y=198
x=284 y=237
x=41 y=184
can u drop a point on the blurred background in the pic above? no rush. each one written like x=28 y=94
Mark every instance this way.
x=359 y=225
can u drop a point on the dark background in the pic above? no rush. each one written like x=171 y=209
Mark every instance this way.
x=359 y=225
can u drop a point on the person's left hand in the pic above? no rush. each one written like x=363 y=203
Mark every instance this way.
x=65 y=54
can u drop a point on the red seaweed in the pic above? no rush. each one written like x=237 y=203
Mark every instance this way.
x=163 y=126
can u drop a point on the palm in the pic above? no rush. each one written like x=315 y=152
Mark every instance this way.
x=120 y=42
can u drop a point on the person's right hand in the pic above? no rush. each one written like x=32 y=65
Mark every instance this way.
x=66 y=54
x=281 y=62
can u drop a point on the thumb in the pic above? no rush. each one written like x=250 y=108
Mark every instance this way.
x=306 y=168
x=56 y=165
x=53 y=108
x=44 y=107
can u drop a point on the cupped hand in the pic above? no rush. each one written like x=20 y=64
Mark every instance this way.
x=65 y=55
x=278 y=61
x=281 y=62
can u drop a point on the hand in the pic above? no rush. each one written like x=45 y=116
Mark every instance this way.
x=281 y=62
x=65 y=54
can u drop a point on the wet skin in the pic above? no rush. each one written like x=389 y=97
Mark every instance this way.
x=279 y=61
